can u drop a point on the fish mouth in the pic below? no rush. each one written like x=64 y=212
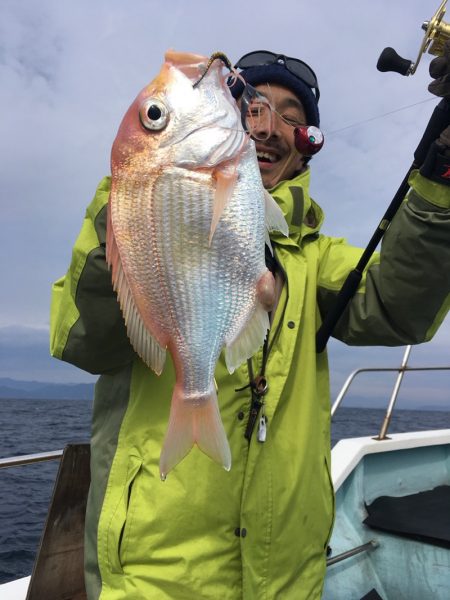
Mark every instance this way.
x=199 y=134
x=202 y=147
x=190 y=64
x=175 y=141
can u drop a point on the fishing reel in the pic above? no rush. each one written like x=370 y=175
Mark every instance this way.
x=437 y=32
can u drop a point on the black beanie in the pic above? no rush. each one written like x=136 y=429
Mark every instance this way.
x=277 y=73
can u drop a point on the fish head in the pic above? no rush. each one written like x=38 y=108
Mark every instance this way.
x=185 y=117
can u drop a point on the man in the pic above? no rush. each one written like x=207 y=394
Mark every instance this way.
x=261 y=530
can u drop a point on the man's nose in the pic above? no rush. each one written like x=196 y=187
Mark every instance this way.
x=264 y=126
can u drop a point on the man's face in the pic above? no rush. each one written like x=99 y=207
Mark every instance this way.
x=278 y=158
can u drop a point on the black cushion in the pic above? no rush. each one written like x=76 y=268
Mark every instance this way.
x=424 y=516
x=372 y=595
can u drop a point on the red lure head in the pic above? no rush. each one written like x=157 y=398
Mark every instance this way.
x=308 y=139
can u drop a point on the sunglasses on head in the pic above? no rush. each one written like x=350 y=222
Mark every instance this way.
x=295 y=66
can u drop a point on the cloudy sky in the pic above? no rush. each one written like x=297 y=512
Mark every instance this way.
x=68 y=72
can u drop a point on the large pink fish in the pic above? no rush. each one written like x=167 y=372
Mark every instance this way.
x=186 y=233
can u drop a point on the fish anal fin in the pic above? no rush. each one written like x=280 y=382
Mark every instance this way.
x=143 y=342
x=248 y=340
x=194 y=420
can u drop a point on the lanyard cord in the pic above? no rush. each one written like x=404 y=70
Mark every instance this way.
x=254 y=381
x=265 y=355
x=259 y=388
x=258 y=385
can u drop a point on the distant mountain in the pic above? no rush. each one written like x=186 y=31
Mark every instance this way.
x=26 y=368
x=11 y=388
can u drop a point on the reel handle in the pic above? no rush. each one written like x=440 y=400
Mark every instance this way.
x=437 y=32
x=391 y=61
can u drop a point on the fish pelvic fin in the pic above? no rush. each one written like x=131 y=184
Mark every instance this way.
x=226 y=178
x=194 y=420
x=275 y=220
x=145 y=345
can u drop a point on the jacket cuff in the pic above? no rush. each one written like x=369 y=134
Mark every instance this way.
x=435 y=193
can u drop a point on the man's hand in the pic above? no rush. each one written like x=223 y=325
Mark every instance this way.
x=436 y=165
x=440 y=72
x=444 y=142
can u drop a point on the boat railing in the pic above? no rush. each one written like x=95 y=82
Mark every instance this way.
x=370 y=545
x=401 y=370
x=28 y=459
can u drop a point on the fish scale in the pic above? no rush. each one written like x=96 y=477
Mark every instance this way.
x=198 y=278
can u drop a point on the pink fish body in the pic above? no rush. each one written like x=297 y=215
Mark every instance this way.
x=185 y=242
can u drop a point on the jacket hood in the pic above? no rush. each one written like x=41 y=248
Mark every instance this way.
x=303 y=216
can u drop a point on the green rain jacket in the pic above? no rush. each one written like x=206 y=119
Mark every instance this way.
x=260 y=531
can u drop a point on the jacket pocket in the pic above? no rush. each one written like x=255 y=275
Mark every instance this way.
x=332 y=502
x=116 y=530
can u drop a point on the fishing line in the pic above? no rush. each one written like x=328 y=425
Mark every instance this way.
x=391 y=112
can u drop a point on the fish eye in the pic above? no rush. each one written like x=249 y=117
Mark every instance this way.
x=154 y=114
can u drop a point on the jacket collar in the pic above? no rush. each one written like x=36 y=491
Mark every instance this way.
x=304 y=217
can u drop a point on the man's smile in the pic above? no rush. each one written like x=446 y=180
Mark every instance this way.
x=267 y=157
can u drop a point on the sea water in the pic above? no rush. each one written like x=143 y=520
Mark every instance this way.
x=30 y=426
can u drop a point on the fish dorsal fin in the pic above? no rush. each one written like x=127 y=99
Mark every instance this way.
x=248 y=340
x=275 y=220
x=226 y=178
x=142 y=341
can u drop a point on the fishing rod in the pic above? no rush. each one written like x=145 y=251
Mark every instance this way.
x=437 y=32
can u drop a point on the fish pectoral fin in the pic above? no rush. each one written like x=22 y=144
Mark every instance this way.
x=192 y=421
x=145 y=345
x=275 y=220
x=248 y=340
x=226 y=178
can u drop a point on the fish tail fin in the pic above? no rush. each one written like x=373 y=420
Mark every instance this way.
x=194 y=420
